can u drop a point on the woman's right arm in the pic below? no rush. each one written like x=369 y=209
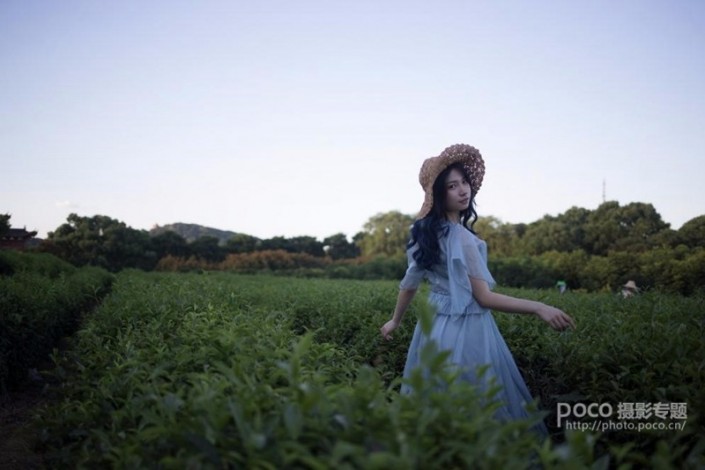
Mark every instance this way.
x=556 y=318
x=403 y=300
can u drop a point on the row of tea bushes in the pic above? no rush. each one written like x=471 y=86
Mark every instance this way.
x=42 y=299
x=646 y=349
x=219 y=370
x=186 y=371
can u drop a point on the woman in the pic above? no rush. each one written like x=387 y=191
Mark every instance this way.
x=447 y=252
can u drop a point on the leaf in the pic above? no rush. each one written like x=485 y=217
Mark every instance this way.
x=206 y=448
x=293 y=420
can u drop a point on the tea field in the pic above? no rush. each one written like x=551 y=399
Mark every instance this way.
x=220 y=370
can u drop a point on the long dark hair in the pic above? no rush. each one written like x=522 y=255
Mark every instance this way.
x=427 y=231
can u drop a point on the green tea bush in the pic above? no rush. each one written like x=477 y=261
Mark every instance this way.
x=233 y=371
x=40 y=302
x=210 y=371
x=644 y=349
x=43 y=264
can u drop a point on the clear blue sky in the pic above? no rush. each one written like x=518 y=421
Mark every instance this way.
x=307 y=118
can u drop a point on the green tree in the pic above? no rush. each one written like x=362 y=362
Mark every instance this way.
x=566 y=266
x=208 y=248
x=502 y=238
x=306 y=244
x=170 y=243
x=276 y=243
x=242 y=243
x=642 y=224
x=692 y=233
x=101 y=241
x=302 y=244
x=338 y=247
x=4 y=224
x=573 y=234
x=634 y=227
x=666 y=238
x=598 y=274
x=386 y=234
x=693 y=267
x=563 y=233
x=659 y=268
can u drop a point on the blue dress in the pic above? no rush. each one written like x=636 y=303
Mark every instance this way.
x=463 y=326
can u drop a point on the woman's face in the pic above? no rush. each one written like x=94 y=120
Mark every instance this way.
x=457 y=192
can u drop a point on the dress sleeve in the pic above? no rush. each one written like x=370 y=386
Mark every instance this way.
x=475 y=256
x=414 y=273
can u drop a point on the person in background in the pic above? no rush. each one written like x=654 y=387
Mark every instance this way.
x=562 y=286
x=629 y=289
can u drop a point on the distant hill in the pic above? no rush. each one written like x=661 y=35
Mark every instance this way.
x=192 y=232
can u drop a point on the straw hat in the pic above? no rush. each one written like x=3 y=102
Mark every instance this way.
x=631 y=285
x=432 y=167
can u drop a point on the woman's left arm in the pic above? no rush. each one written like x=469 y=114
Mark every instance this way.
x=557 y=318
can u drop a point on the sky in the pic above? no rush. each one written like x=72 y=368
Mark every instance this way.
x=280 y=118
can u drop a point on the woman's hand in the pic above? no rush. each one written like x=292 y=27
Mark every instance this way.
x=387 y=329
x=557 y=318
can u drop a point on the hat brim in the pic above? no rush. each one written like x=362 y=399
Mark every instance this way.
x=426 y=207
x=432 y=167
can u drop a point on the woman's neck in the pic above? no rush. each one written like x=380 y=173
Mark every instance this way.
x=453 y=217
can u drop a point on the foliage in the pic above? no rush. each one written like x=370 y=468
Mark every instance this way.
x=692 y=233
x=192 y=232
x=338 y=247
x=217 y=376
x=170 y=244
x=42 y=300
x=242 y=243
x=42 y=264
x=4 y=223
x=281 y=262
x=303 y=244
x=233 y=242
x=208 y=249
x=524 y=271
x=676 y=270
x=628 y=228
x=501 y=238
x=100 y=241
x=378 y=267
x=564 y=233
x=386 y=234
x=635 y=227
x=591 y=250
x=178 y=264
x=645 y=349
x=216 y=371
x=272 y=260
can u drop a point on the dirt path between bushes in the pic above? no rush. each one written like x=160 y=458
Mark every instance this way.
x=18 y=436
x=19 y=431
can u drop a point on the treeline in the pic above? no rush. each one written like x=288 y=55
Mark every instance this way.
x=109 y=243
x=611 y=228
x=281 y=262
x=593 y=250
x=192 y=232
x=599 y=250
